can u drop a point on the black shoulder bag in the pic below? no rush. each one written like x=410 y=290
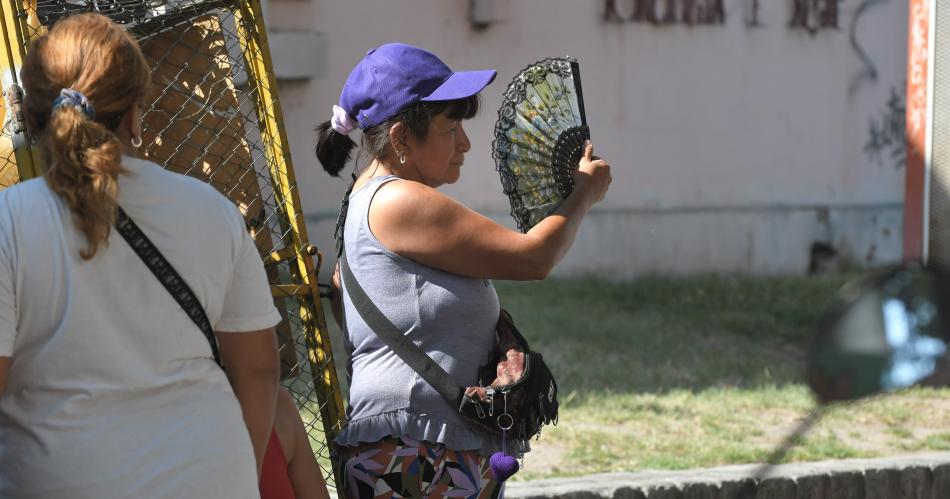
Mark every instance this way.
x=167 y=275
x=522 y=407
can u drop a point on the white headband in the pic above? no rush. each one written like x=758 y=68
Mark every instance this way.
x=341 y=121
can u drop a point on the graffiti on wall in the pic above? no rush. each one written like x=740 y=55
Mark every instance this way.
x=886 y=141
x=814 y=15
x=808 y=15
x=869 y=72
x=665 y=12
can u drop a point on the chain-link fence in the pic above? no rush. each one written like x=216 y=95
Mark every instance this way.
x=213 y=114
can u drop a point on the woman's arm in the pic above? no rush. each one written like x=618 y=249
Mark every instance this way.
x=419 y=223
x=253 y=368
x=336 y=299
x=302 y=468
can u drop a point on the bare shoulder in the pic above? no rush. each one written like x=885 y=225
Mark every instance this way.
x=402 y=203
x=406 y=193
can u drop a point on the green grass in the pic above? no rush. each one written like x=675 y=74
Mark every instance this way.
x=653 y=335
x=696 y=372
x=939 y=441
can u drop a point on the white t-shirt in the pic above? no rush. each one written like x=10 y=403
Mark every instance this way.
x=112 y=391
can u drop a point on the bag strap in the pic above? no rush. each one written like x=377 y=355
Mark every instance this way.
x=167 y=275
x=398 y=342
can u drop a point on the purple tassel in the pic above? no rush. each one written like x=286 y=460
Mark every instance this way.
x=502 y=466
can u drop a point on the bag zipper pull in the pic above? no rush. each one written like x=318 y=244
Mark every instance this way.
x=490 y=393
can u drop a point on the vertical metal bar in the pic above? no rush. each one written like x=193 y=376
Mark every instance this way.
x=253 y=40
x=27 y=23
x=11 y=59
x=918 y=70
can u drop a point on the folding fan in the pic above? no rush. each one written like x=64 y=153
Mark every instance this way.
x=539 y=138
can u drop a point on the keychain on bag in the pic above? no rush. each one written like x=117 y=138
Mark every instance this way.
x=501 y=464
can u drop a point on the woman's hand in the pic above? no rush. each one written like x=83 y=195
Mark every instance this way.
x=302 y=467
x=511 y=369
x=592 y=176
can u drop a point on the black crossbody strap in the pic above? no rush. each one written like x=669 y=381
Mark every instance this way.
x=167 y=275
x=394 y=338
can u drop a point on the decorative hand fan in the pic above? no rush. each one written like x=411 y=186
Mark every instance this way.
x=539 y=138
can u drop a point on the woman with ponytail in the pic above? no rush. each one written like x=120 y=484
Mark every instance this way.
x=425 y=262
x=108 y=388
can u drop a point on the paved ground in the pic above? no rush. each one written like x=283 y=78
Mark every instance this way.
x=916 y=476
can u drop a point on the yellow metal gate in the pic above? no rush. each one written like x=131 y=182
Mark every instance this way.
x=213 y=114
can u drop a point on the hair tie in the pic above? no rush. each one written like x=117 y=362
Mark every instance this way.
x=341 y=121
x=69 y=97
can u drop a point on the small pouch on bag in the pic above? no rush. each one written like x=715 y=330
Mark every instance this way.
x=517 y=391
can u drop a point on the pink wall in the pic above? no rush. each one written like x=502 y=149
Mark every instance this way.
x=709 y=119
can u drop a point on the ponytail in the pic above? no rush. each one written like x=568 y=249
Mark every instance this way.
x=84 y=161
x=81 y=79
x=333 y=148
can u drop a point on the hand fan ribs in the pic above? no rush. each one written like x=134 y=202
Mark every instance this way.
x=539 y=138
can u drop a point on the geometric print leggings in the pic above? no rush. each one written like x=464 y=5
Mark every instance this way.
x=403 y=467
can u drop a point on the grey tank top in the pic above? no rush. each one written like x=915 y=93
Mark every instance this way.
x=451 y=317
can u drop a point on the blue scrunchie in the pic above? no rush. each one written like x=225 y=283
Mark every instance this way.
x=74 y=98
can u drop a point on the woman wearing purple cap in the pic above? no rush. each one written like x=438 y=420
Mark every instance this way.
x=425 y=261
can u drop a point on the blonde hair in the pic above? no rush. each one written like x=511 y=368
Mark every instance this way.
x=92 y=55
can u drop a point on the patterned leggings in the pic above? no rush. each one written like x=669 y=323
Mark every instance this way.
x=402 y=467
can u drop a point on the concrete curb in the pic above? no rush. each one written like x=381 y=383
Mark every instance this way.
x=915 y=476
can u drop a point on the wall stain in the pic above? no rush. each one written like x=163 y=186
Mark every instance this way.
x=886 y=134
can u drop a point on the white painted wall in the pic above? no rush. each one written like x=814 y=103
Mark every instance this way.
x=733 y=147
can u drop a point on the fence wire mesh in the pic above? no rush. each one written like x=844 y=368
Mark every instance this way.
x=213 y=115
x=8 y=169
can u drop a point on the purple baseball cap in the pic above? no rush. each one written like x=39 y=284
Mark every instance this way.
x=395 y=75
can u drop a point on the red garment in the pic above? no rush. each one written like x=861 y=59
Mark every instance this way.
x=275 y=483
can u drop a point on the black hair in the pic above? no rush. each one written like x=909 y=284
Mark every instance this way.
x=334 y=149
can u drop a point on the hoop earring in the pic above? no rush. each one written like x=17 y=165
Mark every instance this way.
x=136 y=142
x=402 y=158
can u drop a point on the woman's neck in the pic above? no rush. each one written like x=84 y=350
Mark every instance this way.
x=381 y=168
